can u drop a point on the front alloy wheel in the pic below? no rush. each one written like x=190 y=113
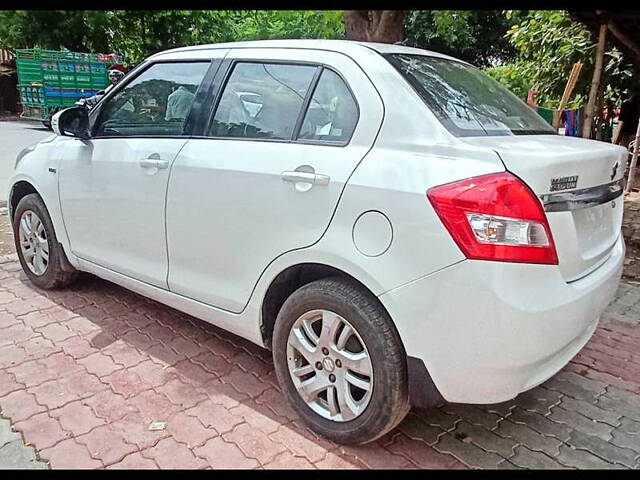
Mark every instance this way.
x=33 y=242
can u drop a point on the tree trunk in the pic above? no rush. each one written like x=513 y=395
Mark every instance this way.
x=385 y=26
x=595 y=83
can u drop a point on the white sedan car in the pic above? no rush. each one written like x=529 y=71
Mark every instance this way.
x=393 y=224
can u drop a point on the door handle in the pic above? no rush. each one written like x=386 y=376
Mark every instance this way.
x=154 y=163
x=304 y=177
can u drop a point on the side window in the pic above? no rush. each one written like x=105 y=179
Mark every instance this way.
x=332 y=114
x=262 y=100
x=156 y=102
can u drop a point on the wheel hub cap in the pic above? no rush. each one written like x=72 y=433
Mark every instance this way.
x=33 y=242
x=330 y=365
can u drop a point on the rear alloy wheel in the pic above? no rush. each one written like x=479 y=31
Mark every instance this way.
x=330 y=365
x=340 y=361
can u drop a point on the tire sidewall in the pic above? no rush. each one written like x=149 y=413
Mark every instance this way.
x=34 y=203
x=384 y=382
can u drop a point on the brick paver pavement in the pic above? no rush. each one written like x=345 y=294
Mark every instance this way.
x=85 y=371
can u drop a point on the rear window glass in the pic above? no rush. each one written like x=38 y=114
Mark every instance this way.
x=465 y=100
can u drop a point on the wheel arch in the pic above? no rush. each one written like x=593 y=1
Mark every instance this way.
x=19 y=190
x=289 y=280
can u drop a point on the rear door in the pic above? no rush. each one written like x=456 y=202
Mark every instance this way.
x=289 y=128
x=580 y=183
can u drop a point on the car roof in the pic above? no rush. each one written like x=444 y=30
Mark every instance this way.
x=343 y=46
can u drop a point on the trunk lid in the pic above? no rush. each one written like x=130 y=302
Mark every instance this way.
x=576 y=180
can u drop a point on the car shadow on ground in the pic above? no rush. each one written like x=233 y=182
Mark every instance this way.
x=198 y=363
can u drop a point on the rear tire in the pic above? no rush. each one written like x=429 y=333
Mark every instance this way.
x=384 y=402
x=55 y=271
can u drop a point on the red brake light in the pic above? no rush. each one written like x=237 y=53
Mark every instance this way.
x=495 y=217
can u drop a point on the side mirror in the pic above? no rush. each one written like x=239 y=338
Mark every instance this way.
x=72 y=122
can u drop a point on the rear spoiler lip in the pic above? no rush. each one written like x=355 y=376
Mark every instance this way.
x=583 y=198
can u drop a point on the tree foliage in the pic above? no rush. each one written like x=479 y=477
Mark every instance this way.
x=139 y=33
x=476 y=36
x=547 y=44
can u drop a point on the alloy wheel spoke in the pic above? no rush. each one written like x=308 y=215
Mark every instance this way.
x=330 y=324
x=345 y=334
x=332 y=402
x=309 y=389
x=357 y=381
x=357 y=362
x=303 y=370
x=308 y=330
x=298 y=341
x=348 y=407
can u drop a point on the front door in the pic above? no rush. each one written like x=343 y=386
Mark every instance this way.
x=288 y=130
x=113 y=187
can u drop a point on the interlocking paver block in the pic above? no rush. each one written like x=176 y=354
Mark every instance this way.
x=522 y=434
x=485 y=439
x=134 y=461
x=258 y=416
x=134 y=429
x=181 y=393
x=153 y=406
x=245 y=382
x=302 y=443
x=422 y=455
x=106 y=445
x=473 y=415
x=603 y=449
x=225 y=455
x=20 y=405
x=216 y=416
x=188 y=430
x=69 y=455
x=467 y=453
x=254 y=443
x=529 y=459
x=414 y=428
x=76 y=418
x=125 y=382
x=287 y=461
x=580 y=422
x=170 y=454
x=373 y=455
x=591 y=411
x=540 y=400
x=540 y=424
x=572 y=457
x=42 y=430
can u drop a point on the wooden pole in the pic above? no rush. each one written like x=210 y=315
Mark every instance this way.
x=634 y=161
x=568 y=89
x=595 y=83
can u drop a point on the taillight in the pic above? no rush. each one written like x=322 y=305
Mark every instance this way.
x=495 y=217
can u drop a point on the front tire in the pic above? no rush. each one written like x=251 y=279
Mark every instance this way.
x=41 y=256
x=340 y=361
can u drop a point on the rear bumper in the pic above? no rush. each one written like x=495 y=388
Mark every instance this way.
x=487 y=331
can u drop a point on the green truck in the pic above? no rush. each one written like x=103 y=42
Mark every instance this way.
x=50 y=80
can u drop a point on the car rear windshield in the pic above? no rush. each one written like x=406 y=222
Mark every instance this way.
x=465 y=100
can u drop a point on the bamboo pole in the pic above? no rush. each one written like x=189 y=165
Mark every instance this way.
x=634 y=161
x=595 y=82
x=568 y=90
